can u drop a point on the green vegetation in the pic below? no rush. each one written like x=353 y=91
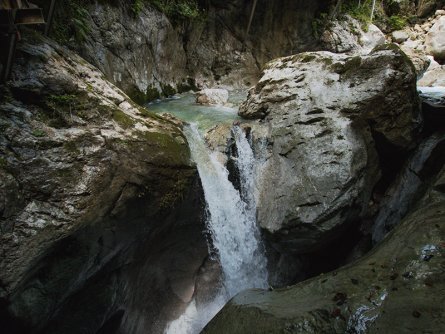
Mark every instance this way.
x=177 y=193
x=152 y=93
x=176 y=10
x=58 y=110
x=168 y=90
x=70 y=146
x=123 y=119
x=61 y=100
x=187 y=85
x=3 y=163
x=360 y=11
x=319 y=24
x=396 y=22
x=38 y=133
x=71 y=20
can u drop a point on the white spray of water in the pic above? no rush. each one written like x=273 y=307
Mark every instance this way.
x=232 y=226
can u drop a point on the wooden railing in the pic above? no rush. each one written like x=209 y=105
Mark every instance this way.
x=13 y=14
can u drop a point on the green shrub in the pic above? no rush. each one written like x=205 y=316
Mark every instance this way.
x=361 y=12
x=176 y=10
x=71 y=20
x=396 y=22
x=137 y=6
x=38 y=133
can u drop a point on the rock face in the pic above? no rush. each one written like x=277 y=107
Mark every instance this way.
x=399 y=36
x=396 y=288
x=212 y=96
x=419 y=59
x=435 y=39
x=426 y=7
x=322 y=112
x=410 y=185
x=92 y=189
x=347 y=36
x=160 y=56
x=433 y=76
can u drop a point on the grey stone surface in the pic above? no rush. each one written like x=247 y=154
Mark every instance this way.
x=317 y=112
x=395 y=288
x=435 y=39
x=346 y=35
x=92 y=188
x=214 y=96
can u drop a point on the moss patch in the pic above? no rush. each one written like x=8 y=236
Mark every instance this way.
x=137 y=96
x=176 y=194
x=307 y=57
x=169 y=150
x=152 y=94
x=71 y=147
x=38 y=133
x=187 y=85
x=396 y=22
x=168 y=90
x=123 y=119
x=350 y=65
x=3 y=163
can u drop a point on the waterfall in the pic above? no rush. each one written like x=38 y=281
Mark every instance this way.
x=232 y=226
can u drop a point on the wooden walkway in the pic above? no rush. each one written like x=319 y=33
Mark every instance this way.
x=13 y=14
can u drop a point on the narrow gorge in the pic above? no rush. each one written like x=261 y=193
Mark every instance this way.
x=207 y=166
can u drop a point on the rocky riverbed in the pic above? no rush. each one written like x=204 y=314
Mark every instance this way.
x=104 y=220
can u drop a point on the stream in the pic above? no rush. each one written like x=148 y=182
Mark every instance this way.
x=231 y=218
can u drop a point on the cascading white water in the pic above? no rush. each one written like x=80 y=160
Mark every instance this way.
x=232 y=226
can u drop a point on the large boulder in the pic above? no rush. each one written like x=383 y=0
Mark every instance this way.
x=433 y=76
x=92 y=189
x=346 y=35
x=419 y=59
x=215 y=96
x=397 y=288
x=321 y=113
x=435 y=39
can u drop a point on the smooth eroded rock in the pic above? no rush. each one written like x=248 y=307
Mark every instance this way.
x=399 y=36
x=346 y=35
x=214 y=96
x=435 y=39
x=397 y=288
x=92 y=188
x=321 y=113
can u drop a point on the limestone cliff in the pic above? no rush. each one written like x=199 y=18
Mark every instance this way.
x=160 y=56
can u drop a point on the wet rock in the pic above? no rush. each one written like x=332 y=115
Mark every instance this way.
x=378 y=304
x=320 y=112
x=410 y=185
x=164 y=54
x=215 y=96
x=92 y=189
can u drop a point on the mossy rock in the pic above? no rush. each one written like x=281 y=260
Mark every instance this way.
x=123 y=119
x=152 y=94
x=168 y=90
x=137 y=96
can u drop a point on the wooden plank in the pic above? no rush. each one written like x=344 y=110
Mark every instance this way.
x=29 y=16
x=10 y=57
x=49 y=17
